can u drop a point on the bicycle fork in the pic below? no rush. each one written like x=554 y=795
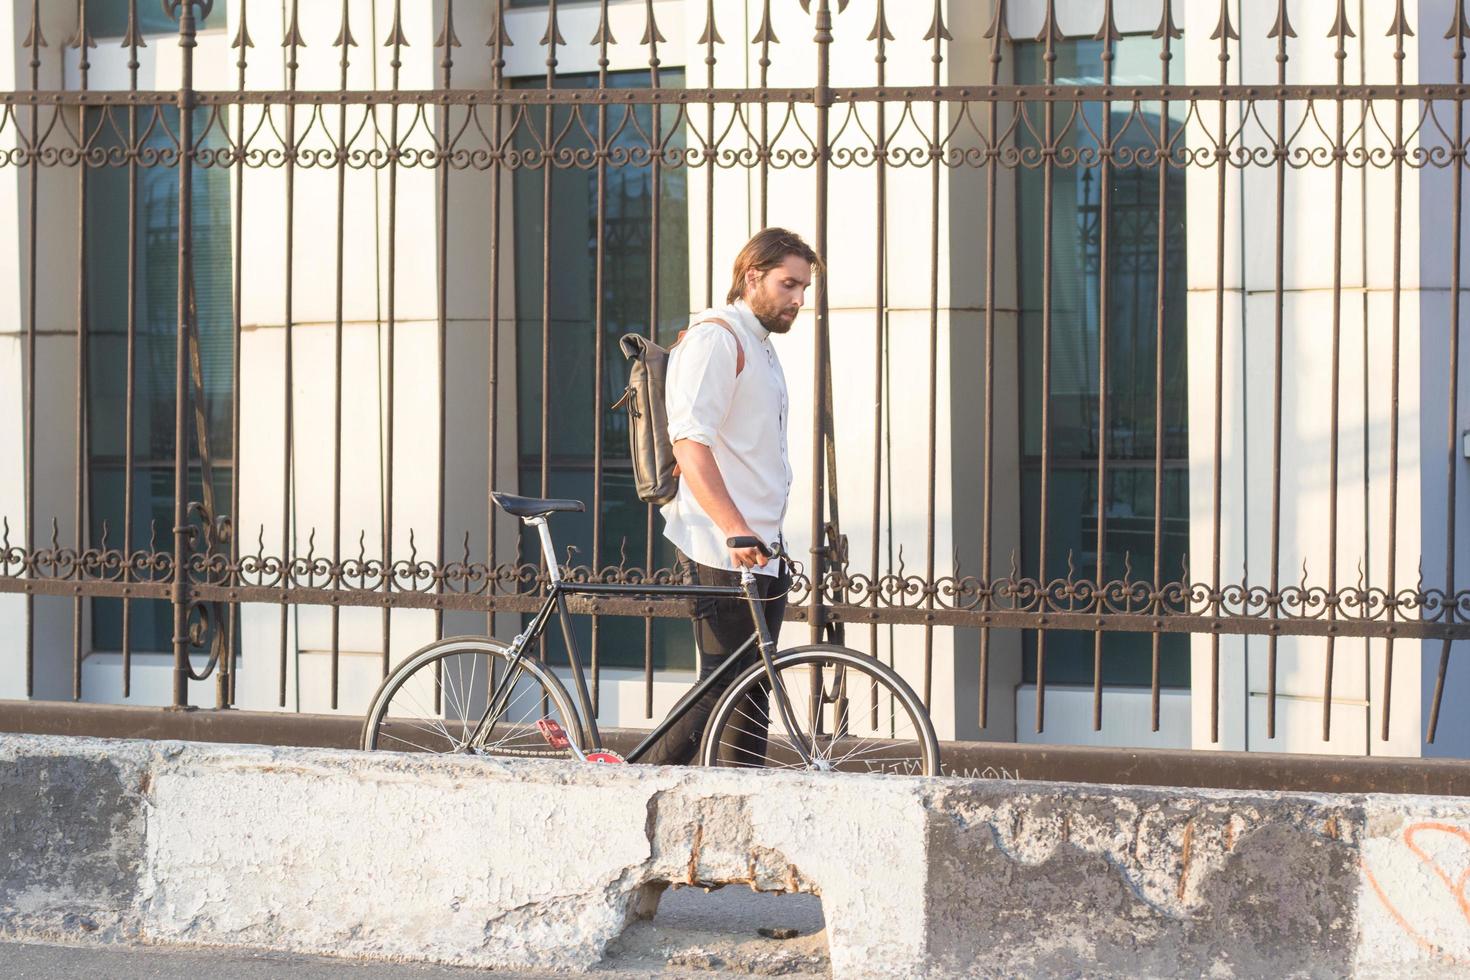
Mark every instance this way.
x=767 y=650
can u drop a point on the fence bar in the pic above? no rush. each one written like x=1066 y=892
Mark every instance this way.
x=1281 y=31
x=765 y=37
x=1398 y=30
x=292 y=43
x=599 y=328
x=396 y=41
x=549 y=41
x=1224 y=33
x=225 y=683
x=35 y=41
x=1167 y=33
x=1108 y=34
x=497 y=42
x=1459 y=30
x=1341 y=31
x=937 y=34
x=998 y=35
x=182 y=532
x=133 y=41
x=881 y=35
x=651 y=38
x=448 y=42
x=345 y=42
x=1050 y=35
x=819 y=551
x=82 y=41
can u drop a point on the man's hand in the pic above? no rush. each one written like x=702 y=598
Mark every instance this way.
x=746 y=557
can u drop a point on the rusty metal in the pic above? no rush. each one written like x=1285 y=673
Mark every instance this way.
x=209 y=566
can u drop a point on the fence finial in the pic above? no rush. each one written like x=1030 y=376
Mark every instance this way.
x=1107 y=32
x=396 y=37
x=1051 y=32
x=293 y=38
x=764 y=34
x=1460 y=29
x=1341 y=29
x=447 y=38
x=1400 y=27
x=937 y=31
x=553 y=29
x=711 y=34
x=1167 y=28
x=344 y=36
x=1224 y=29
x=651 y=34
x=34 y=37
x=498 y=34
x=242 y=34
x=998 y=28
x=1282 y=29
x=83 y=36
x=604 y=35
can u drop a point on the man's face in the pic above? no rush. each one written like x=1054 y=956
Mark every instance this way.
x=777 y=295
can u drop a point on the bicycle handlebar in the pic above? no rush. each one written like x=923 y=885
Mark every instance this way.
x=767 y=551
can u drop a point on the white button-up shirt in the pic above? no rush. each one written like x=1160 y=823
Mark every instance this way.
x=741 y=418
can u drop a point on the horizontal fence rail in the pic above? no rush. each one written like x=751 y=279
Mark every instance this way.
x=1058 y=179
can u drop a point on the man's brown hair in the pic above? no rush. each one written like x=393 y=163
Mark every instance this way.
x=764 y=252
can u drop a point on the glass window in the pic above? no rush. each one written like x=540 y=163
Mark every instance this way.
x=1133 y=270
x=109 y=18
x=627 y=285
x=156 y=312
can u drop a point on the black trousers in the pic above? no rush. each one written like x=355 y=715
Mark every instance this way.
x=721 y=627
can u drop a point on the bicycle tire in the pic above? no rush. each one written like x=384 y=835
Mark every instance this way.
x=441 y=668
x=914 y=752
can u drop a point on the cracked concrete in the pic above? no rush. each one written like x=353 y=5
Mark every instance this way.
x=523 y=865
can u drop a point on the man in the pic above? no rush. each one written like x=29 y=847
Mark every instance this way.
x=727 y=412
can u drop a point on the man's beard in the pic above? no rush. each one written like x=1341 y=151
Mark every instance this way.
x=774 y=320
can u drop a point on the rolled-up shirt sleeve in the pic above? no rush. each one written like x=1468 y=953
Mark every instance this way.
x=701 y=383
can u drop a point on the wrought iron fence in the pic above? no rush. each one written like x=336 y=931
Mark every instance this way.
x=1017 y=127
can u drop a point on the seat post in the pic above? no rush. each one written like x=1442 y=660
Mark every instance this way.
x=548 y=550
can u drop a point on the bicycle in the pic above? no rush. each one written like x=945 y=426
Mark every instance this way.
x=478 y=695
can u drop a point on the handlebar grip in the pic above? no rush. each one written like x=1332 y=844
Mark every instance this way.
x=749 y=542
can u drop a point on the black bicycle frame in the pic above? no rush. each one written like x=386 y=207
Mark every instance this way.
x=556 y=599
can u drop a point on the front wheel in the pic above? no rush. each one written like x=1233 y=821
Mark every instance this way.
x=436 y=700
x=851 y=713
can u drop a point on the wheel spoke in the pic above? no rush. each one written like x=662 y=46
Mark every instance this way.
x=816 y=687
x=460 y=692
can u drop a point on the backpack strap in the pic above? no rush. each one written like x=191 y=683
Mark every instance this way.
x=739 y=347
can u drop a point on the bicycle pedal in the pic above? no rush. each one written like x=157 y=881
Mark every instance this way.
x=606 y=756
x=554 y=734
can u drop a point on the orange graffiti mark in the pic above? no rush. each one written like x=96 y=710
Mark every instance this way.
x=1457 y=886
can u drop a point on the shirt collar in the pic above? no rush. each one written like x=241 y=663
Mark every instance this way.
x=752 y=322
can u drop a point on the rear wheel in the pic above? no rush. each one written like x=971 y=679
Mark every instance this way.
x=433 y=701
x=851 y=713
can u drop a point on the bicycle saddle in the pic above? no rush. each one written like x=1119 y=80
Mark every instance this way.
x=532 y=506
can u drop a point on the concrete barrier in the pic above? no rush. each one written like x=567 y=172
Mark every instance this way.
x=541 y=865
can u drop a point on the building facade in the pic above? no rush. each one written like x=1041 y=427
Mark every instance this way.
x=1140 y=326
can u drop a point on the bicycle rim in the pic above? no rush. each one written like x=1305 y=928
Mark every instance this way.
x=833 y=693
x=434 y=700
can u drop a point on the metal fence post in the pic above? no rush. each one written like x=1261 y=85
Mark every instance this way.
x=822 y=99
x=179 y=596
